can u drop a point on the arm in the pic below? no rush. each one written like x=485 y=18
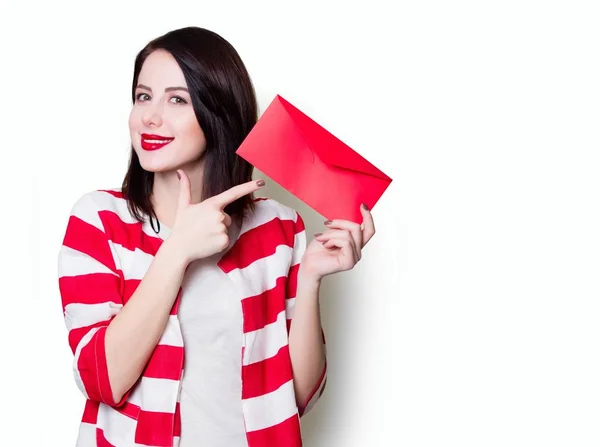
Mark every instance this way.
x=111 y=344
x=134 y=333
x=306 y=337
x=336 y=250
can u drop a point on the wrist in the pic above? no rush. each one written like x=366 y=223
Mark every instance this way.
x=308 y=280
x=174 y=252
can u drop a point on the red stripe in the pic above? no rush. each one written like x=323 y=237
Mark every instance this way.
x=267 y=375
x=177 y=427
x=129 y=235
x=101 y=440
x=285 y=434
x=292 y=281
x=258 y=243
x=117 y=194
x=165 y=363
x=129 y=409
x=75 y=335
x=86 y=365
x=154 y=428
x=97 y=378
x=129 y=286
x=102 y=371
x=92 y=288
x=299 y=226
x=315 y=389
x=90 y=412
x=88 y=239
x=291 y=289
x=260 y=310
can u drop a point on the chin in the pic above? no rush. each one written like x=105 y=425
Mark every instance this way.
x=154 y=164
x=157 y=167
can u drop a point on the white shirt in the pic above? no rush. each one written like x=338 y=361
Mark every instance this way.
x=210 y=316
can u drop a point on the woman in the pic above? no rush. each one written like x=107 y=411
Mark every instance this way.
x=192 y=307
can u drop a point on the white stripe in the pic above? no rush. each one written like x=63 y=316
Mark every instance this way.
x=265 y=211
x=264 y=343
x=270 y=409
x=263 y=273
x=87 y=435
x=79 y=315
x=299 y=247
x=176 y=440
x=74 y=263
x=134 y=264
x=152 y=394
x=290 y=304
x=118 y=429
x=82 y=344
x=86 y=209
x=108 y=202
x=171 y=336
x=311 y=403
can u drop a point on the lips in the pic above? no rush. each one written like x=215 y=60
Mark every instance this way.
x=151 y=142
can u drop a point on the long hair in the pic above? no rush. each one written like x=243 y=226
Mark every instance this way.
x=224 y=102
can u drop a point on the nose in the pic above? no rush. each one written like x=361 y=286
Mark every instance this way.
x=152 y=116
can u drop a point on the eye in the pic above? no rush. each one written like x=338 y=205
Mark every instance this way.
x=142 y=97
x=178 y=100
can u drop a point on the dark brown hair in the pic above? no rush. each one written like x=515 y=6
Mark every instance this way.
x=225 y=105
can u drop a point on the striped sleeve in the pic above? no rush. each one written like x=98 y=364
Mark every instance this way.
x=292 y=285
x=89 y=285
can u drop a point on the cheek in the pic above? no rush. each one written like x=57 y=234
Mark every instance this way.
x=188 y=126
x=133 y=120
x=134 y=130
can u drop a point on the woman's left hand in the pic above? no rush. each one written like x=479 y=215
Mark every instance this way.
x=339 y=248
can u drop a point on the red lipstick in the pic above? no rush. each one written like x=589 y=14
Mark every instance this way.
x=151 y=142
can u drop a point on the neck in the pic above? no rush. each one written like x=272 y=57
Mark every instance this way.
x=165 y=191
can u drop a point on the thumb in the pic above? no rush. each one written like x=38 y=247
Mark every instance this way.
x=185 y=190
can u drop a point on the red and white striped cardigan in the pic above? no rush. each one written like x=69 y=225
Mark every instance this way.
x=104 y=256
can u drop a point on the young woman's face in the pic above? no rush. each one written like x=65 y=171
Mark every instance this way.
x=164 y=130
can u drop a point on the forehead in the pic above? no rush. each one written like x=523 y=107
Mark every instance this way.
x=161 y=70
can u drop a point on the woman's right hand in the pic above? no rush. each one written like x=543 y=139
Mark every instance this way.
x=200 y=230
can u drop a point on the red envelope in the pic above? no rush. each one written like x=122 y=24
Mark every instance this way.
x=311 y=163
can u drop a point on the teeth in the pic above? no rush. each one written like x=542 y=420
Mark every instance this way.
x=157 y=141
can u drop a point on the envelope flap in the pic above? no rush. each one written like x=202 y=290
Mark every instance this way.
x=328 y=147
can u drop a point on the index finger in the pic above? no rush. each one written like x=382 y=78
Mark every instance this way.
x=237 y=192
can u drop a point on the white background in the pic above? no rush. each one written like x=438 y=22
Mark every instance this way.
x=473 y=318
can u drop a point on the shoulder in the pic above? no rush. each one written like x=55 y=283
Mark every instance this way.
x=90 y=205
x=99 y=200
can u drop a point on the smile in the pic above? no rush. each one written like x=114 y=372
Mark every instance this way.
x=154 y=142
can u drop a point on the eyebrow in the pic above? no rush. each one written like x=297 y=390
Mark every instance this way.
x=168 y=89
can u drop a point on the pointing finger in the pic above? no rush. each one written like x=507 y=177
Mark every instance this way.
x=237 y=192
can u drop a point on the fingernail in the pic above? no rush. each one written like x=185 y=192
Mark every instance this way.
x=178 y=175
x=365 y=207
x=318 y=234
x=327 y=222
x=260 y=183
